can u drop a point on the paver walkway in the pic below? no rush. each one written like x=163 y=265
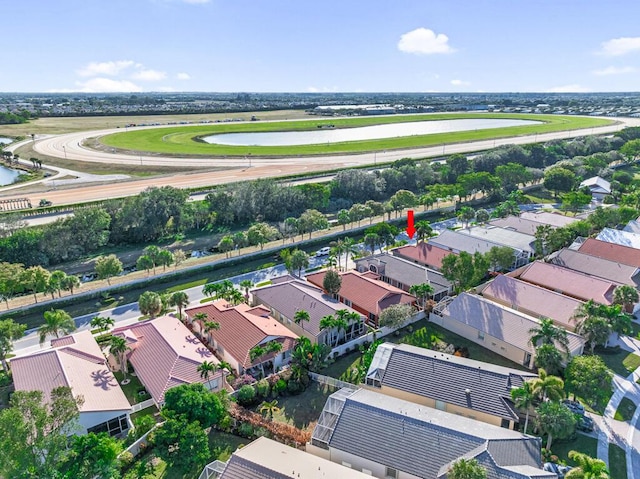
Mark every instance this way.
x=624 y=434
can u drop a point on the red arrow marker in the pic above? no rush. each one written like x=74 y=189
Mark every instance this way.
x=410 y=228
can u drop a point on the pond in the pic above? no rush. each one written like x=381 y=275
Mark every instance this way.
x=8 y=176
x=337 y=135
x=5 y=141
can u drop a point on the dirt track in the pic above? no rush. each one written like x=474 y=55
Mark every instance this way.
x=70 y=146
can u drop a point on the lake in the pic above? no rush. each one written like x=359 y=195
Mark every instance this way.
x=7 y=176
x=5 y=141
x=329 y=135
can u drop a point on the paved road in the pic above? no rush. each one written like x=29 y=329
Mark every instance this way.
x=70 y=146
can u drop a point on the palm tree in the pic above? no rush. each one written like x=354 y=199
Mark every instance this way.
x=352 y=320
x=422 y=293
x=202 y=317
x=350 y=250
x=423 y=230
x=225 y=366
x=119 y=347
x=547 y=387
x=300 y=317
x=56 y=281
x=269 y=408
x=587 y=467
x=373 y=331
x=102 y=323
x=523 y=398
x=56 y=321
x=70 y=282
x=626 y=296
x=180 y=299
x=328 y=322
x=549 y=333
x=150 y=304
x=593 y=323
x=212 y=289
x=246 y=284
x=466 y=469
x=206 y=368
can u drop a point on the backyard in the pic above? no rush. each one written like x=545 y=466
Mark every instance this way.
x=620 y=361
x=134 y=390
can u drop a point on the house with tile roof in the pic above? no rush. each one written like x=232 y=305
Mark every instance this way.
x=403 y=274
x=267 y=459
x=285 y=299
x=426 y=254
x=621 y=237
x=599 y=187
x=365 y=293
x=461 y=386
x=611 y=251
x=456 y=241
x=495 y=327
x=503 y=236
x=599 y=267
x=555 y=220
x=165 y=354
x=77 y=362
x=533 y=300
x=517 y=223
x=419 y=441
x=241 y=329
x=568 y=282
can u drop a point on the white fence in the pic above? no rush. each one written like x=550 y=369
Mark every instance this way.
x=329 y=381
x=134 y=448
x=142 y=405
x=368 y=338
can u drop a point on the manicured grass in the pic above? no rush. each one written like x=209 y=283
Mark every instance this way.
x=222 y=445
x=180 y=140
x=541 y=195
x=620 y=361
x=131 y=390
x=581 y=443
x=149 y=411
x=625 y=410
x=303 y=410
x=617 y=462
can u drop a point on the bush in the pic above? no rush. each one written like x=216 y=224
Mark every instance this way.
x=263 y=388
x=5 y=379
x=246 y=395
x=225 y=424
x=245 y=430
x=126 y=460
x=294 y=387
x=280 y=386
x=243 y=380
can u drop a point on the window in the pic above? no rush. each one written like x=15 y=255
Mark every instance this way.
x=112 y=427
x=527 y=359
x=505 y=423
x=441 y=405
x=481 y=335
x=372 y=316
x=391 y=473
x=347 y=302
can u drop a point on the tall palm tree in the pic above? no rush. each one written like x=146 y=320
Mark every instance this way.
x=328 y=323
x=150 y=304
x=246 y=284
x=56 y=321
x=547 y=387
x=119 y=348
x=421 y=292
x=593 y=323
x=102 y=323
x=300 y=317
x=423 y=230
x=587 y=467
x=353 y=321
x=70 y=282
x=180 y=299
x=626 y=296
x=523 y=398
x=350 y=250
x=549 y=333
x=206 y=368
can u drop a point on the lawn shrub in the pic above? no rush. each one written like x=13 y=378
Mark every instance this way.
x=263 y=388
x=280 y=386
x=246 y=395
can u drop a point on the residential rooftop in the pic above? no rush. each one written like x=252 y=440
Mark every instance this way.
x=479 y=386
x=517 y=223
x=595 y=266
x=552 y=219
x=457 y=241
x=502 y=236
x=624 y=238
x=75 y=361
x=611 y=251
x=428 y=254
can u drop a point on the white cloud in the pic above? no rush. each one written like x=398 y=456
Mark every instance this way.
x=572 y=88
x=104 y=68
x=460 y=83
x=614 y=71
x=108 y=85
x=423 y=41
x=149 y=75
x=620 y=46
x=183 y=76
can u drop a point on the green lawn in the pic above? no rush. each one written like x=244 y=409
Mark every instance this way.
x=620 y=361
x=180 y=140
x=625 y=410
x=303 y=410
x=581 y=443
x=151 y=410
x=131 y=390
x=617 y=462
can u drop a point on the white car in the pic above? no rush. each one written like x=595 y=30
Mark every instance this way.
x=323 y=251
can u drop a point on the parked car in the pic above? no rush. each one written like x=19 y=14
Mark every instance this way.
x=585 y=424
x=323 y=251
x=44 y=203
x=574 y=406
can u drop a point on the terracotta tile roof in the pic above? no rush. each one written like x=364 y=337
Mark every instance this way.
x=569 y=282
x=76 y=362
x=424 y=253
x=290 y=297
x=371 y=295
x=243 y=327
x=165 y=354
x=533 y=300
x=611 y=251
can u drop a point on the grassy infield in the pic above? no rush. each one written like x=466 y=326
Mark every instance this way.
x=179 y=140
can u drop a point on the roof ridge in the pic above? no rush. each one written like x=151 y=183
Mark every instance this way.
x=82 y=354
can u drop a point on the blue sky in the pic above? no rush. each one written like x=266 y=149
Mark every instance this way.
x=328 y=45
